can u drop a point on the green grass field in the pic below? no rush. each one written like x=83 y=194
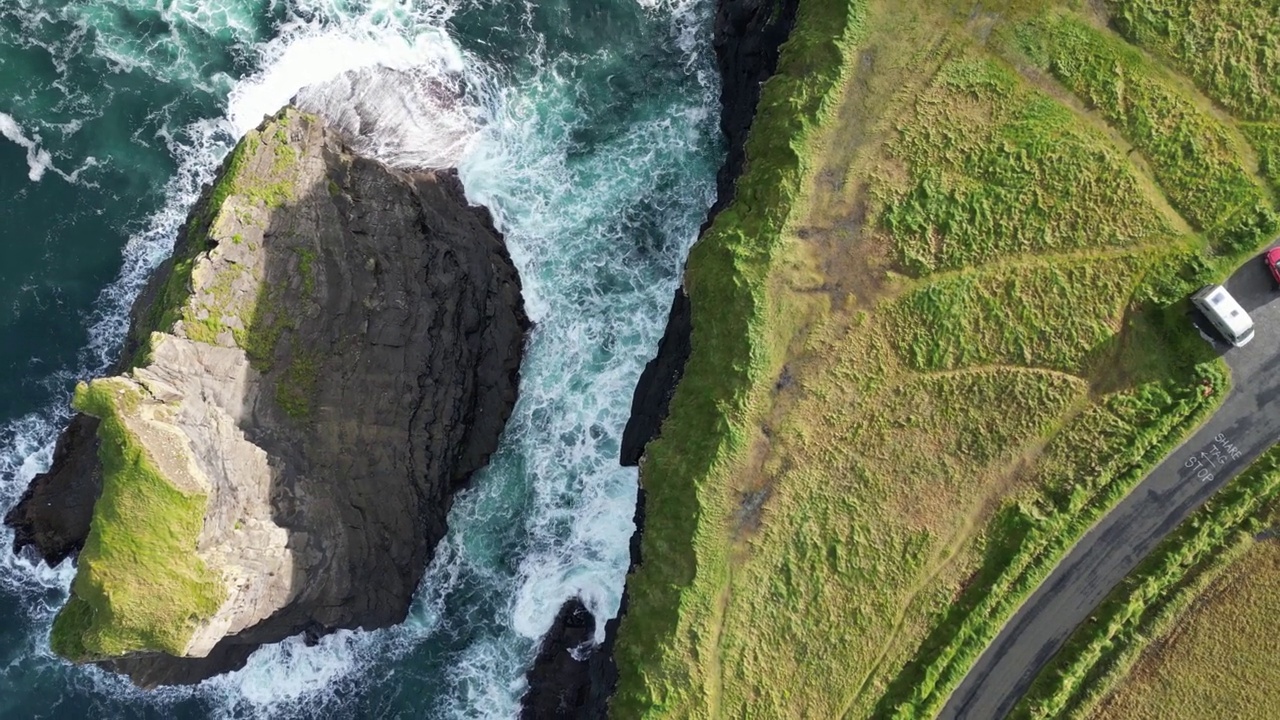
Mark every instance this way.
x=939 y=332
x=1217 y=661
x=1055 y=315
x=1188 y=671
x=1231 y=48
x=1195 y=158
x=990 y=179
x=1266 y=142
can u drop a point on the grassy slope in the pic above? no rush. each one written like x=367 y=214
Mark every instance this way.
x=1207 y=660
x=840 y=485
x=1266 y=140
x=1196 y=158
x=1227 y=46
x=141 y=548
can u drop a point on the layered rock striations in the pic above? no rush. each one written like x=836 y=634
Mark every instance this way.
x=333 y=349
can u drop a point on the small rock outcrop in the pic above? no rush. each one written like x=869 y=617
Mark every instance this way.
x=560 y=683
x=54 y=512
x=333 y=349
x=573 y=677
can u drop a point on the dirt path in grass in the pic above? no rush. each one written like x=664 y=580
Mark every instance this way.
x=1246 y=425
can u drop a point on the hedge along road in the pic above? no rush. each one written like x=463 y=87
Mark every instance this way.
x=1246 y=425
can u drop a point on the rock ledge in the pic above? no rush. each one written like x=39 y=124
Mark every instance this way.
x=333 y=349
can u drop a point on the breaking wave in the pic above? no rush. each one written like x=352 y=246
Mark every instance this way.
x=597 y=164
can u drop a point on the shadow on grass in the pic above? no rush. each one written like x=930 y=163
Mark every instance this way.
x=1158 y=346
x=1155 y=345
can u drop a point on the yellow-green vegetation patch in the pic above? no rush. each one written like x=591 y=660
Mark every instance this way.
x=997 y=169
x=963 y=419
x=296 y=386
x=214 y=313
x=205 y=320
x=862 y=475
x=306 y=267
x=1193 y=156
x=273 y=189
x=255 y=323
x=1151 y=604
x=139 y=584
x=1058 y=315
x=1219 y=659
x=1265 y=138
x=1230 y=47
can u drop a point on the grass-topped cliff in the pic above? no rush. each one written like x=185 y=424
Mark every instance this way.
x=257 y=177
x=142 y=583
x=939 y=332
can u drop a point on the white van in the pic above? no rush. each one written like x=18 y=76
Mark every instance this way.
x=1225 y=314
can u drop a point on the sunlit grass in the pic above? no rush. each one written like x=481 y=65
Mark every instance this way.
x=139 y=584
x=1194 y=157
x=937 y=335
x=1230 y=47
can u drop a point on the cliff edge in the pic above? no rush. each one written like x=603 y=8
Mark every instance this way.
x=570 y=678
x=332 y=350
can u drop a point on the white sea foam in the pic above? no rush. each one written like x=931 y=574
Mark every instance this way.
x=39 y=161
x=554 y=491
x=400 y=99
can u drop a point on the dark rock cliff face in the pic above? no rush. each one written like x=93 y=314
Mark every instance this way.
x=748 y=37
x=53 y=514
x=658 y=382
x=389 y=330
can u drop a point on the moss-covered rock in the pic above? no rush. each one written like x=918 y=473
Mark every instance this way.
x=142 y=543
x=332 y=349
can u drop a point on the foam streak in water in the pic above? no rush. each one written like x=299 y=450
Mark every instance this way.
x=599 y=192
x=39 y=161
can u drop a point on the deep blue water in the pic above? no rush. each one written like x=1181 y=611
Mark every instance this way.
x=589 y=129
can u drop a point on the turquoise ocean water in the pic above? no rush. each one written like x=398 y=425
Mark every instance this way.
x=588 y=127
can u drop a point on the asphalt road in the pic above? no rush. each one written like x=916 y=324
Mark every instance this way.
x=1244 y=427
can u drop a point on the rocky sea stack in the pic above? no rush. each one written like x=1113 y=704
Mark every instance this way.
x=332 y=350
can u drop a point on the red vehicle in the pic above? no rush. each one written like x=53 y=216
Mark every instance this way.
x=1272 y=259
